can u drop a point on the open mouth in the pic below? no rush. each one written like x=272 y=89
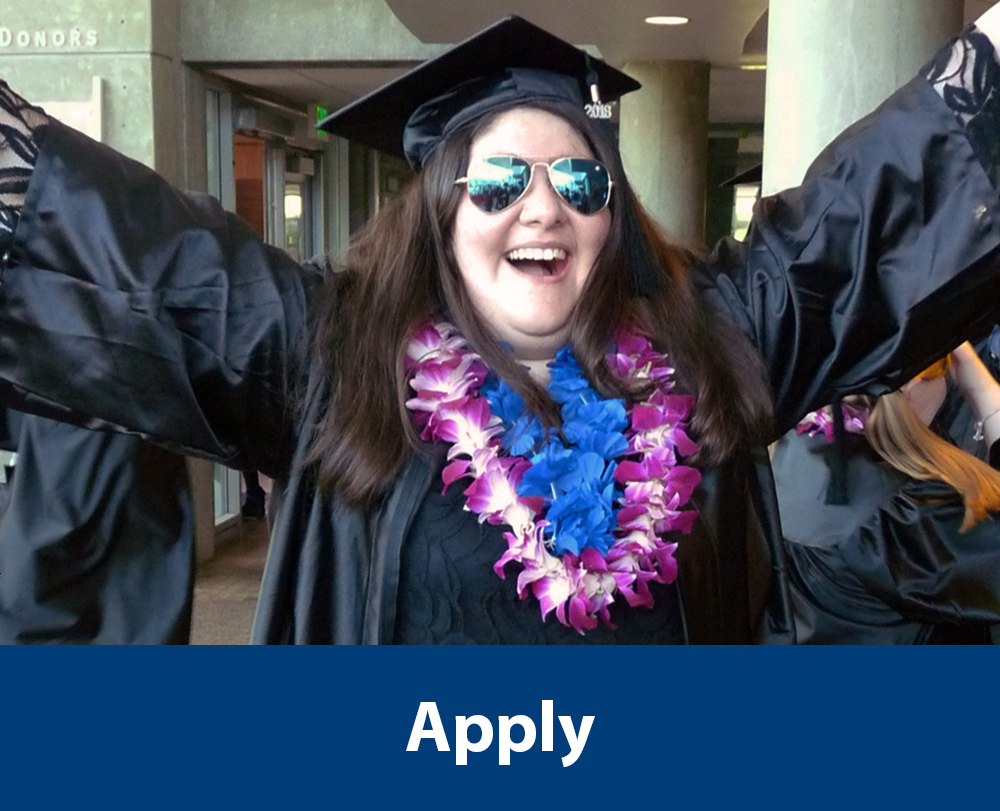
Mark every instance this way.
x=542 y=261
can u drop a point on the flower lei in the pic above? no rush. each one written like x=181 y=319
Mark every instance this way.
x=821 y=421
x=584 y=524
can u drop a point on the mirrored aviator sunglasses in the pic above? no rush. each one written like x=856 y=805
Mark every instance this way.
x=497 y=182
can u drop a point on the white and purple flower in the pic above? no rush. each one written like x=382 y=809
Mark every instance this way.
x=821 y=421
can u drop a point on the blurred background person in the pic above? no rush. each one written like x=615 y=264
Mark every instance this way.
x=889 y=527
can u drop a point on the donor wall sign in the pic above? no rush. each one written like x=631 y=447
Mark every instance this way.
x=53 y=27
x=47 y=39
x=34 y=27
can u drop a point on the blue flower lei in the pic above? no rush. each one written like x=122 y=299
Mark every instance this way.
x=575 y=480
x=557 y=491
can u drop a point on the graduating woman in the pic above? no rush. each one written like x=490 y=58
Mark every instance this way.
x=517 y=414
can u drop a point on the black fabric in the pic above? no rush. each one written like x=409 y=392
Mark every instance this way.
x=10 y=429
x=838 y=475
x=889 y=566
x=8 y=222
x=126 y=303
x=434 y=120
x=175 y=305
x=97 y=540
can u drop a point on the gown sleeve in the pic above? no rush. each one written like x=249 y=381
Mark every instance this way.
x=125 y=303
x=882 y=261
x=912 y=556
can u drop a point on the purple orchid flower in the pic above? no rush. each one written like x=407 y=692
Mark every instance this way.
x=652 y=488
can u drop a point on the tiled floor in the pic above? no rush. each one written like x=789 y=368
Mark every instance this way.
x=225 y=590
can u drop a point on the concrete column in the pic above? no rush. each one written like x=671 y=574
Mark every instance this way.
x=664 y=144
x=830 y=62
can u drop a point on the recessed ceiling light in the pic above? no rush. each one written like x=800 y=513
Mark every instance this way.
x=753 y=67
x=667 y=20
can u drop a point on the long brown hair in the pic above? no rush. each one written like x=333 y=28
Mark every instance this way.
x=897 y=434
x=401 y=271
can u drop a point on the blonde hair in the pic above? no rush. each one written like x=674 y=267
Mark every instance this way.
x=896 y=433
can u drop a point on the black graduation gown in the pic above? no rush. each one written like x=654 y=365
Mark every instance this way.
x=889 y=565
x=125 y=303
x=883 y=560
x=97 y=540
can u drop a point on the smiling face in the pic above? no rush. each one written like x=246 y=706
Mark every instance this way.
x=525 y=297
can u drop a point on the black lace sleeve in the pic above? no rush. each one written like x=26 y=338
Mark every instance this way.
x=967 y=76
x=20 y=124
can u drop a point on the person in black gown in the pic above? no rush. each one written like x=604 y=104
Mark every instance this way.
x=909 y=552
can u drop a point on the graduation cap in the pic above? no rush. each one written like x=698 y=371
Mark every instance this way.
x=510 y=62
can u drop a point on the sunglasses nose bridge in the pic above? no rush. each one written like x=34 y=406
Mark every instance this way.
x=546 y=174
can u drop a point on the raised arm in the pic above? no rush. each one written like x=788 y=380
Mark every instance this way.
x=980 y=390
x=126 y=303
x=883 y=260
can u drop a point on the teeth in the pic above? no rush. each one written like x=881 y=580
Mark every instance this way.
x=537 y=254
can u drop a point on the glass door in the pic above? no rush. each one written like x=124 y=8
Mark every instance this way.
x=301 y=229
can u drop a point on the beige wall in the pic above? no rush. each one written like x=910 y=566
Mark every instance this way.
x=299 y=30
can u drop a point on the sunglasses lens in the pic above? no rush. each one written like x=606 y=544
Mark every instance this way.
x=498 y=182
x=583 y=184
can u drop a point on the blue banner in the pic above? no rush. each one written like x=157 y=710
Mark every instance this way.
x=579 y=727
